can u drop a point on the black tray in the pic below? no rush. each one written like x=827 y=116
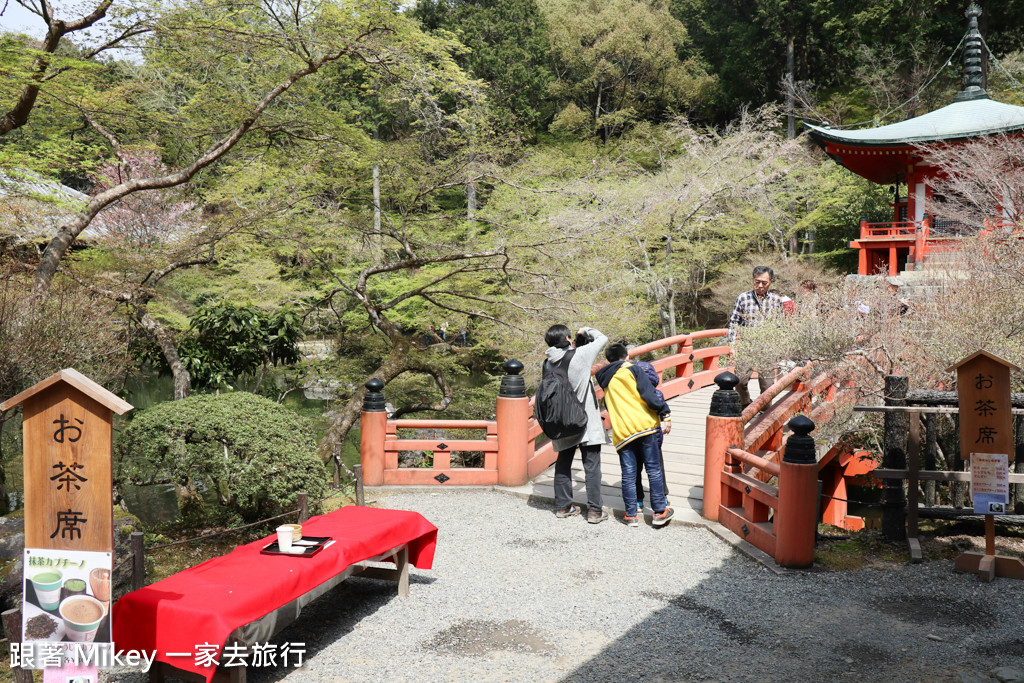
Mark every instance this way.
x=308 y=550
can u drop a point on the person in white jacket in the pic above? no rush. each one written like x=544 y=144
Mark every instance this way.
x=593 y=437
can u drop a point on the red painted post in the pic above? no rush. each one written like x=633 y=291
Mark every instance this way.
x=863 y=228
x=724 y=429
x=685 y=369
x=513 y=413
x=373 y=426
x=796 y=519
x=919 y=246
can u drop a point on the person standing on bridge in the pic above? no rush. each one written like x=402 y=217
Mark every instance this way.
x=593 y=437
x=751 y=308
x=655 y=378
x=636 y=412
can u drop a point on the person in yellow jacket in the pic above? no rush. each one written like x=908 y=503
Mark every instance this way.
x=636 y=411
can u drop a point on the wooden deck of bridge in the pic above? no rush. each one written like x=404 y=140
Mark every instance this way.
x=684 y=464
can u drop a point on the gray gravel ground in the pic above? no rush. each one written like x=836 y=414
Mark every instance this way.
x=516 y=594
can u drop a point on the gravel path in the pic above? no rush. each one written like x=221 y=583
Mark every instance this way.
x=518 y=595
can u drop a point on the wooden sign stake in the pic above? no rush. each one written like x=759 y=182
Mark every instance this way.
x=69 y=519
x=983 y=385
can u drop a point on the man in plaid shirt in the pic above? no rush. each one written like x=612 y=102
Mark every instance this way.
x=752 y=307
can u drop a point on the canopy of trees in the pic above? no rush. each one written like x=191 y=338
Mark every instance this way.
x=392 y=179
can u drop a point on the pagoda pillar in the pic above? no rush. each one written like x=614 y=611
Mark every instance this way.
x=893 y=264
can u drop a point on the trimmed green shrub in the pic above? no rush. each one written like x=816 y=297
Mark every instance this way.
x=252 y=453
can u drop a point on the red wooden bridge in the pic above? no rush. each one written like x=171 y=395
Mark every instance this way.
x=720 y=466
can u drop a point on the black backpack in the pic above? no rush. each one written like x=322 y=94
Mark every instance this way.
x=557 y=409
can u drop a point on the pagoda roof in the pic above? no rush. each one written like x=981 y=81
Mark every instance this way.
x=954 y=122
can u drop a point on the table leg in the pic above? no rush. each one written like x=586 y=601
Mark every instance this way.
x=402 y=565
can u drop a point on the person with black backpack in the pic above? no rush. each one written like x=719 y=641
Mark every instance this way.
x=558 y=411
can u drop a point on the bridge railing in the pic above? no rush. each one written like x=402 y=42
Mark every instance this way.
x=738 y=489
x=685 y=359
x=513 y=446
x=747 y=503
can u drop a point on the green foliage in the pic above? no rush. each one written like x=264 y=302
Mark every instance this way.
x=847 y=49
x=507 y=48
x=227 y=341
x=619 y=61
x=252 y=453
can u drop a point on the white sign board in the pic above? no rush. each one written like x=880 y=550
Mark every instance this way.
x=990 y=482
x=66 y=596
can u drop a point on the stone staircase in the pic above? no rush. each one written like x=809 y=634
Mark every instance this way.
x=935 y=273
x=938 y=270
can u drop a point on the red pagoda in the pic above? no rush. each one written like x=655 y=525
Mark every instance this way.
x=892 y=155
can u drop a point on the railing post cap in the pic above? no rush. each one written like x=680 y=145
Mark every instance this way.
x=373 y=401
x=512 y=385
x=801 y=425
x=512 y=367
x=800 y=449
x=726 y=380
x=725 y=402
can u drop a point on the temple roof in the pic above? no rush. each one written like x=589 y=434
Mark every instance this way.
x=957 y=121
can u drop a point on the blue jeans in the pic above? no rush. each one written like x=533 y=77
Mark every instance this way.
x=644 y=449
x=640 y=471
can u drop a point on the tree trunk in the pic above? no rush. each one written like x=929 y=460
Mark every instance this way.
x=1017 y=500
x=395 y=364
x=182 y=380
x=376 y=201
x=790 y=84
x=671 y=311
x=5 y=501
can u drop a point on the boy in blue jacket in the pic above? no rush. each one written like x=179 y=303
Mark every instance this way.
x=655 y=377
x=636 y=412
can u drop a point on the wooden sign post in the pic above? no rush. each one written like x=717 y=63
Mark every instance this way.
x=986 y=434
x=69 y=516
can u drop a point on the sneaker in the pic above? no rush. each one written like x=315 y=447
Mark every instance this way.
x=570 y=511
x=639 y=507
x=631 y=521
x=661 y=518
x=596 y=516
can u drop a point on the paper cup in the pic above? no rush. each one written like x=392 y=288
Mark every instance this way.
x=82 y=615
x=47 y=584
x=284 y=538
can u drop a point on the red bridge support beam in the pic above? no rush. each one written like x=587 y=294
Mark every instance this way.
x=724 y=430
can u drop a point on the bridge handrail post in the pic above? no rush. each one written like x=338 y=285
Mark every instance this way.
x=373 y=426
x=685 y=369
x=724 y=429
x=513 y=414
x=796 y=519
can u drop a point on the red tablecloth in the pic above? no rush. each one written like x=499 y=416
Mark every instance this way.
x=206 y=603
